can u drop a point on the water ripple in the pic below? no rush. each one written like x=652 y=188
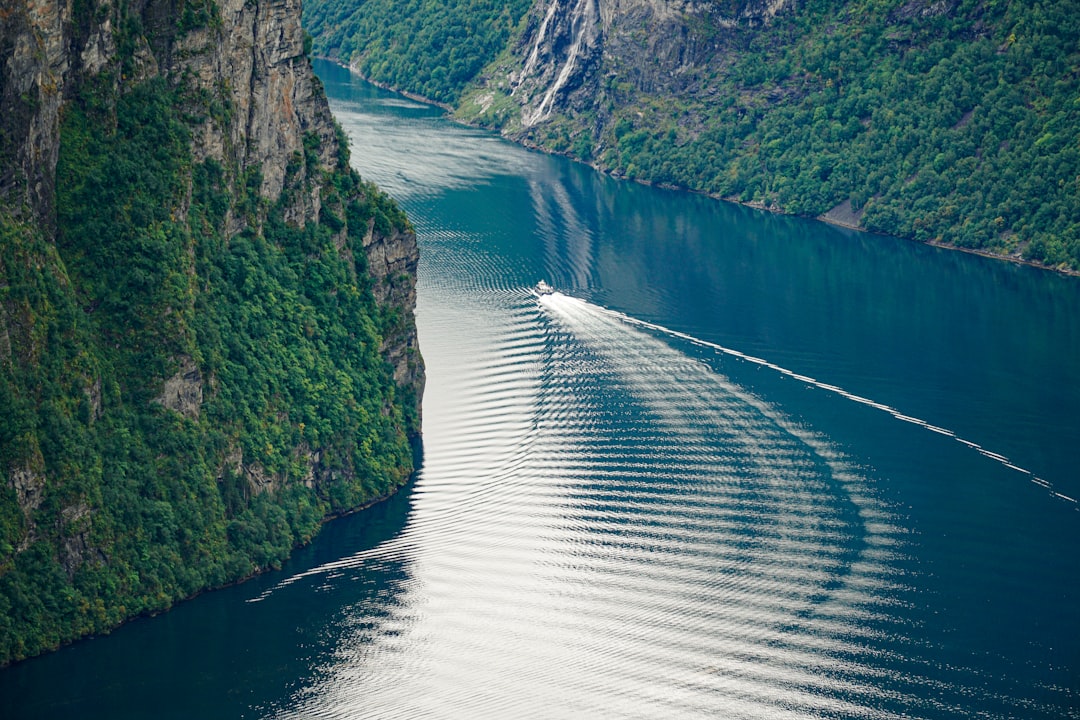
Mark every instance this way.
x=606 y=527
x=997 y=457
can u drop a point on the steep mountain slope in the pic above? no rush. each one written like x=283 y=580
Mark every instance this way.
x=206 y=333
x=429 y=47
x=952 y=121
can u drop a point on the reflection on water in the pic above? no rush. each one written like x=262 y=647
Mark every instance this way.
x=727 y=552
x=730 y=470
x=609 y=528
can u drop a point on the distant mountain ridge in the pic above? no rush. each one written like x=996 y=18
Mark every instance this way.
x=948 y=121
x=207 y=344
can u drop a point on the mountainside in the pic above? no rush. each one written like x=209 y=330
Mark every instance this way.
x=206 y=334
x=950 y=121
x=432 y=48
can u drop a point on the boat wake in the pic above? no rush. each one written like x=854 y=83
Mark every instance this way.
x=558 y=300
x=605 y=526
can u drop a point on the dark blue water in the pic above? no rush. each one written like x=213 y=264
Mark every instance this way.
x=739 y=465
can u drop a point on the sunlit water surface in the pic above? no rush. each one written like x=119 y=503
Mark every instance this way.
x=738 y=466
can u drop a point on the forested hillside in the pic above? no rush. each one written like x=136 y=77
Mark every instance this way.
x=953 y=121
x=194 y=352
x=429 y=47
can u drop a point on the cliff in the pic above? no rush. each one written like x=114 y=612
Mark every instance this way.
x=206 y=327
x=944 y=121
x=938 y=120
x=571 y=52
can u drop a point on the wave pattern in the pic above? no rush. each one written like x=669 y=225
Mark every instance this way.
x=605 y=527
x=997 y=457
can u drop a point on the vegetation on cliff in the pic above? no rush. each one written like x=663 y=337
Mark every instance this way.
x=191 y=377
x=427 y=47
x=952 y=121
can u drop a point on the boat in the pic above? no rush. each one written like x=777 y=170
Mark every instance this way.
x=542 y=288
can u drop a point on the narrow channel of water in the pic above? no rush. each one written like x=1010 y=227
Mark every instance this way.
x=739 y=465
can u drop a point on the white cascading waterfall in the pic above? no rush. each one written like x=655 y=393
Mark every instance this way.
x=582 y=23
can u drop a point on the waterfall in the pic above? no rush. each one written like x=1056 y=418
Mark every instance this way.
x=582 y=24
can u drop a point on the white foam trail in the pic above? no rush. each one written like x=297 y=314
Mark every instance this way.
x=1000 y=459
x=647 y=355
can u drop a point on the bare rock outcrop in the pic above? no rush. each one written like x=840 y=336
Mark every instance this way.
x=183 y=392
x=574 y=53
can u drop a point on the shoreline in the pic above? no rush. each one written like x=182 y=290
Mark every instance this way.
x=147 y=615
x=449 y=109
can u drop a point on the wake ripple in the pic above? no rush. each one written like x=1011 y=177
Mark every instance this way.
x=1001 y=459
x=605 y=527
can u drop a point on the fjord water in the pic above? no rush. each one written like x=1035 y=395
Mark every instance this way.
x=739 y=465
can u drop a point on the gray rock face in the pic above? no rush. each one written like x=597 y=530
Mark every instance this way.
x=29 y=485
x=34 y=41
x=183 y=392
x=253 y=60
x=257 y=59
x=575 y=51
x=394 y=259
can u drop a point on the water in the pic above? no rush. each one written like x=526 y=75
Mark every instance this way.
x=739 y=465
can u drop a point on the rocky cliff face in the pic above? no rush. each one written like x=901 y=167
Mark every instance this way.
x=34 y=41
x=575 y=53
x=254 y=55
x=189 y=336
x=393 y=259
x=249 y=56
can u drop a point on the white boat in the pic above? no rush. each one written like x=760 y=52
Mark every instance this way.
x=542 y=288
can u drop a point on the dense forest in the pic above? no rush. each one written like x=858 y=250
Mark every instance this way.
x=954 y=121
x=192 y=380
x=428 y=47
